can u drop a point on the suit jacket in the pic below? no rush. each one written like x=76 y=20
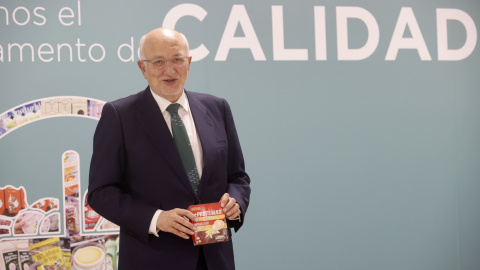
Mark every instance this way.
x=136 y=169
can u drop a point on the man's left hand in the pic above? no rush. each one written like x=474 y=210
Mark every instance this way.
x=230 y=207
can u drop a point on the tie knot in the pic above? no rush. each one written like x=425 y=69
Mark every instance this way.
x=173 y=108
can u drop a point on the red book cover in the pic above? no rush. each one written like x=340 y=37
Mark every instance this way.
x=211 y=225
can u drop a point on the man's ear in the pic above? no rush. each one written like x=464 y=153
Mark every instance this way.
x=142 y=67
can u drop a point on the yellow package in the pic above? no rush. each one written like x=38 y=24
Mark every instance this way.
x=49 y=254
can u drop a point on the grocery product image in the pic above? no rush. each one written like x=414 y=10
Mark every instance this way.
x=31 y=220
x=89 y=256
x=49 y=253
x=14 y=200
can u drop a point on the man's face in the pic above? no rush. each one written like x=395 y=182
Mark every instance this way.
x=169 y=81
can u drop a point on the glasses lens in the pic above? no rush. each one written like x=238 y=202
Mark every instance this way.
x=161 y=63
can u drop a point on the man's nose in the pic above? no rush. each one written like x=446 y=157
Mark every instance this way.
x=169 y=69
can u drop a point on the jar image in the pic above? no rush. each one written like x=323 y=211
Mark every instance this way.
x=88 y=256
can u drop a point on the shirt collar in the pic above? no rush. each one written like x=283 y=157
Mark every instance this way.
x=163 y=103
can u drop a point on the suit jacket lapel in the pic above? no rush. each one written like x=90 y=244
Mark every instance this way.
x=205 y=129
x=153 y=123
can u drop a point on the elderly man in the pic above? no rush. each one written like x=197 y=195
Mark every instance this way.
x=158 y=152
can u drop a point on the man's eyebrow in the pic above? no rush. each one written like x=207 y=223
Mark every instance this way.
x=161 y=57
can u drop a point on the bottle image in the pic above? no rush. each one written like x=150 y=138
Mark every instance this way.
x=110 y=255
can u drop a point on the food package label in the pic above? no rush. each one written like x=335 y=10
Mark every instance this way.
x=211 y=225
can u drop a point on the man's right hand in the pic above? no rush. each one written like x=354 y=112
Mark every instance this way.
x=176 y=221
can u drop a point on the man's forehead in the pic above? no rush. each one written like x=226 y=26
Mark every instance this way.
x=165 y=49
x=161 y=56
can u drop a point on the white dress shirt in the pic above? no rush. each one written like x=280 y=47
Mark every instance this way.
x=186 y=115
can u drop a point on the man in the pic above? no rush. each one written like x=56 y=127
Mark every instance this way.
x=138 y=172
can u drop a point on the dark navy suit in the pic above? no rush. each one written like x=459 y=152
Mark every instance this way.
x=136 y=169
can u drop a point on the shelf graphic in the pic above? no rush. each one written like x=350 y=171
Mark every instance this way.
x=59 y=106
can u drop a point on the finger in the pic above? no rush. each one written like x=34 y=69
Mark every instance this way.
x=182 y=230
x=234 y=215
x=188 y=214
x=230 y=204
x=185 y=223
x=224 y=199
x=175 y=228
x=233 y=210
x=179 y=233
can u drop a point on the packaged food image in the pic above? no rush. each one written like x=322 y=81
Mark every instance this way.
x=88 y=256
x=211 y=225
x=46 y=204
x=31 y=222
x=80 y=106
x=3 y=123
x=67 y=257
x=54 y=220
x=49 y=253
x=9 y=255
x=14 y=200
x=95 y=108
x=23 y=254
x=91 y=217
x=107 y=225
x=45 y=226
x=33 y=110
x=5 y=225
x=64 y=105
x=20 y=115
x=53 y=204
x=42 y=204
x=49 y=107
x=72 y=218
x=110 y=254
x=9 y=120
x=2 y=202
x=71 y=174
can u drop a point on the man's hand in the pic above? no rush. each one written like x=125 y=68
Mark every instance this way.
x=230 y=207
x=176 y=221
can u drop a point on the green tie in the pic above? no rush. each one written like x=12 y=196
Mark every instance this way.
x=183 y=145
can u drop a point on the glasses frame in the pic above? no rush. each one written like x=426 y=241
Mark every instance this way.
x=152 y=61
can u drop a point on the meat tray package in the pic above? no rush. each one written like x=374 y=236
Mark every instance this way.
x=211 y=225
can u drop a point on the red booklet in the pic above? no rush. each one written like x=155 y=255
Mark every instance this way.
x=211 y=225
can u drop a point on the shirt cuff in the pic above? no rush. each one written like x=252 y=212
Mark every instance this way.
x=153 y=224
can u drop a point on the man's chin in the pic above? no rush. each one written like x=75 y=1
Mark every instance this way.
x=169 y=94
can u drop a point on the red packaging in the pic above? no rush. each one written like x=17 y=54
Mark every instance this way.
x=22 y=198
x=42 y=204
x=2 y=202
x=211 y=225
x=91 y=217
x=13 y=201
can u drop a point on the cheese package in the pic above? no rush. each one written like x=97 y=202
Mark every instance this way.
x=49 y=253
x=211 y=225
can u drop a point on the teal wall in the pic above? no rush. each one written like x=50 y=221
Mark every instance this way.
x=355 y=164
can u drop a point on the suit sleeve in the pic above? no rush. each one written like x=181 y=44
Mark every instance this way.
x=238 y=179
x=107 y=194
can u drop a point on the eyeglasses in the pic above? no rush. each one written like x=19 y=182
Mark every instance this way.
x=161 y=62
